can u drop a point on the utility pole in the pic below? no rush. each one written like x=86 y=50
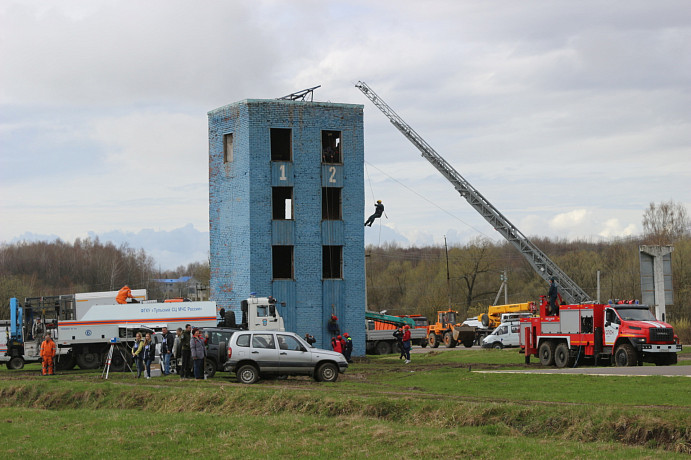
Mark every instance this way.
x=448 y=276
x=506 y=288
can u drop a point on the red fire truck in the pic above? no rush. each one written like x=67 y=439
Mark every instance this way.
x=626 y=334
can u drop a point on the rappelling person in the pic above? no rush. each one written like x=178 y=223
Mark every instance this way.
x=378 y=211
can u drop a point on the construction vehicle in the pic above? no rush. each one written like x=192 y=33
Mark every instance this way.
x=493 y=317
x=542 y=264
x=486 y=323
x=625 y=334
x=449 y=331
x=382 y=341
x=84 y=332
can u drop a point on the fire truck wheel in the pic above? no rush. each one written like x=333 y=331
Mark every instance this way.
x=88 y=360
x=625 y=356
x=449 y=342
x=546 y=353
x=15 y=363
x=64 y=362
x=433 y=340
x=561 y=355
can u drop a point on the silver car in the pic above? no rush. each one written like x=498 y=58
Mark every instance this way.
x=254 y=354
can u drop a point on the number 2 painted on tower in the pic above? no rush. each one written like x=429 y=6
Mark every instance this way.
x=332 y=177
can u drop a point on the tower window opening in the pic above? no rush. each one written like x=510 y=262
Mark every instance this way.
x=227 y=148
x=281 y=144
x=332 y=262
x=331 y=147
x=331 y=203
x=282 y=203
x=282 y=262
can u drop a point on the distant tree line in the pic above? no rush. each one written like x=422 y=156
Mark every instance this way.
x=87 y=265
x=400 y=280
x=415 y=281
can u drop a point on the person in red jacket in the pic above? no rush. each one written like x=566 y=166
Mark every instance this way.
x=406 y=343
x=336 y=344
x=47 y=354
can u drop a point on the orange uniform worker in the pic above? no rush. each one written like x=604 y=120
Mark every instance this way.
x=124 y=294
x=47 y=354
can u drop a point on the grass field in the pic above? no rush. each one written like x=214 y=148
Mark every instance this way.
x=381 y=408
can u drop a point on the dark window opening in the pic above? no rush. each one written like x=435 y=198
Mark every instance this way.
x=227 y=148
x=332 y=262
x=331 y=147
x=281 y=145
x=282 y=260
x=282 y=203
x=331 y=203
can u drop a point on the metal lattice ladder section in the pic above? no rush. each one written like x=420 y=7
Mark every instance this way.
x=537 y=259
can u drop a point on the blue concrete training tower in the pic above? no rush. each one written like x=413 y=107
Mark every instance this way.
x=286 y=188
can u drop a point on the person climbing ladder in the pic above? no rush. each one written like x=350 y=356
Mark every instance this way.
x=378 y=211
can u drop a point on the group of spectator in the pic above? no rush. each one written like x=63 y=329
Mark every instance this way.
x=188 y=347
x=343 y=344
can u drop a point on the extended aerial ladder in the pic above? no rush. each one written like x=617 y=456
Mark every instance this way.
x=542 y=264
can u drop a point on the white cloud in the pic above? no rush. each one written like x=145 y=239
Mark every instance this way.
x=569 y=117
x=567 y=220
x=613 y=228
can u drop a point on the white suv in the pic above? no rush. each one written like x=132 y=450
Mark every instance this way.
x=252 y=354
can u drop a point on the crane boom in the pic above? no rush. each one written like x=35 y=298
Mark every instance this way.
x=542 y=264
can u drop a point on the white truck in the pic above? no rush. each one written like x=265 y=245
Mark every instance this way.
x=84 y=332
x=507 y=333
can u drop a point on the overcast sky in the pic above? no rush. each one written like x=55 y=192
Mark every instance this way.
x=570 y=117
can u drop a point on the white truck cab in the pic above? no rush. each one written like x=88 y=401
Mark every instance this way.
x=261 y=314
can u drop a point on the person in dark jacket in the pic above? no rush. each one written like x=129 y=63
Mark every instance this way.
x=378 y=211
x=167 y=341
x=186 y=353
x=398 y=334
x=332 y=325
x=406 y=343
x=348 y=347
x=198 y=353
x=310 y=339
x=149 y=353
x=552 y=295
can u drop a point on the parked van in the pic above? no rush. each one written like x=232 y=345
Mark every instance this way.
x=507 y=333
